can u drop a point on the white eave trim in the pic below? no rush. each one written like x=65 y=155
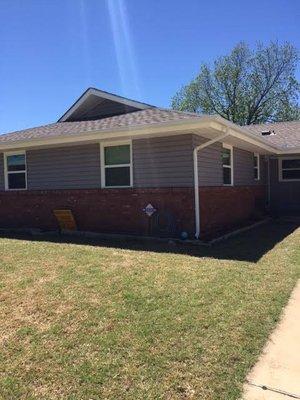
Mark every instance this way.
x=102 y=95
x=187 y=126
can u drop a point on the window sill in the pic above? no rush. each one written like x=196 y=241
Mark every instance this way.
x=289 y=180
x=116 y=187
x=15 y=190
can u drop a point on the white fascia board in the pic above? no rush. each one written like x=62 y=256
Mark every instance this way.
x=295 y=150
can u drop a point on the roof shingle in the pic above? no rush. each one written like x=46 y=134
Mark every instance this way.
x=287 y=134
x=134 y=119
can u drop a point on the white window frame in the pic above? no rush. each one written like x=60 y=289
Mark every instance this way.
x=228 y=147
x=280 y=169
x=103 y=166
x=258 y=166
x=6 y=172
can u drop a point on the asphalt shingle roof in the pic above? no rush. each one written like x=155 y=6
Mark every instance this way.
x=287 y=134
x=134 y=119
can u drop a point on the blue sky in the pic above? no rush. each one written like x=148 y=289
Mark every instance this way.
x=52 y=50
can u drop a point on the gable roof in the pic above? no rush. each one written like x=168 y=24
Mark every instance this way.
x=101 y=115
x=287 y=134
x=97 y=104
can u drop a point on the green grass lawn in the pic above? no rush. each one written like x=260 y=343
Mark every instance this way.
x=86 y=321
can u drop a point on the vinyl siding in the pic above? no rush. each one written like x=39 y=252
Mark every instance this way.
x=244 y=168
x=157 y=162
x=210 y=169
x=284 y=196
x=69 y=167
x=164 y=161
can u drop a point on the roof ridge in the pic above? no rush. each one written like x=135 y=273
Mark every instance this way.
x=181 y=112
x=275 y=123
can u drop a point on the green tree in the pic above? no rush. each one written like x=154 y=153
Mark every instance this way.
x=247 y=86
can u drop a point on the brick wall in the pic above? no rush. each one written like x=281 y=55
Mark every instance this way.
x=121 y=210
x=225 y=207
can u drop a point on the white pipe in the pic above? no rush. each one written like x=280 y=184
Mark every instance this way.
x=196 y=179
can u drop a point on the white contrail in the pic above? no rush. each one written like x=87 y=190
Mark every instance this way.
x=123 y=46
x=85 y=42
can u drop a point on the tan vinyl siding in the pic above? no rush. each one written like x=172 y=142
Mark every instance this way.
x=69 y=167
x=163 y=161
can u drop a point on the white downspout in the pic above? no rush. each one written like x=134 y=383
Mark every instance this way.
x=196 y=178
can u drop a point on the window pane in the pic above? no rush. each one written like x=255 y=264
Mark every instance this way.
x=17 y=181
x=117 y=154
x=16 y=162
x=226 y=156
x=291 y=174
x=119 y=176
x=227 y=176
x=295 y=163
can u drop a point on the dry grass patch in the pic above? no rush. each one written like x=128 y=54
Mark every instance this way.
x=79 y=321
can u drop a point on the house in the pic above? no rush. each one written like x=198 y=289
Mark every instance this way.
x=108 y=158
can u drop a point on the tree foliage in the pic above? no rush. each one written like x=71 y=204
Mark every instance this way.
x=247 y=86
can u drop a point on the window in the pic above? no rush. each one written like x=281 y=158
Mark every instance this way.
x=256 y=166
x=116 y=165
x=289 y=169
x=15 y=171
x=227 y=165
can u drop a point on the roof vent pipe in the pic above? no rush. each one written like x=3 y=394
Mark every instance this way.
x=268 y=133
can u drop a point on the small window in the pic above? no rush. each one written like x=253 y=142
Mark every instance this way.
x=256 y=167
x=227 y=165
x=290 y=169
x=15 y=171
x=116 y=165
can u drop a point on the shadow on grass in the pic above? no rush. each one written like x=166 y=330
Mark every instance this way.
x=248 y=246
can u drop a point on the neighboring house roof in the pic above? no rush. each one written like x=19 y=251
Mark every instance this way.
x=287 y=134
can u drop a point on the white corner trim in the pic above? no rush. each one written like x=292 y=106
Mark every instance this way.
x=104 y=144
x=6 y=172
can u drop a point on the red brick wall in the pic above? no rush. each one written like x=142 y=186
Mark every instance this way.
x=121 y=210
x=99 y=210
x=224 y=207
